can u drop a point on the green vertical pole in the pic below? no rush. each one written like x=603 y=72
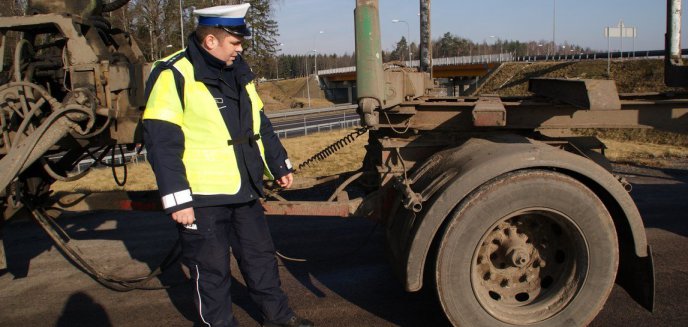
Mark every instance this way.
x=369 y=73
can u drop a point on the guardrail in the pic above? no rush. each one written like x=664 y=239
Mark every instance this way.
x=645 y=54
x=506 y=57
x=291 y=113
x=303 y=130
x=462 y=60
x=131 y=156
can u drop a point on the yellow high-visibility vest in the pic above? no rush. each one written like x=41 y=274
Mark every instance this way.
x=210 y=163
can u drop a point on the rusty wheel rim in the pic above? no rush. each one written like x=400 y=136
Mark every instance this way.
x=529 y=266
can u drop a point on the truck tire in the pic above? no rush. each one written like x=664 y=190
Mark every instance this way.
x=534 y=248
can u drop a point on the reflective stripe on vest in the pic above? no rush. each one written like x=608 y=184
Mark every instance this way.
x=211 y=165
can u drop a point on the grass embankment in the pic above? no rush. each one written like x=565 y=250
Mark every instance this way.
x=643 y=146
x=292 y=93
x=631 y=76
x=647 y=154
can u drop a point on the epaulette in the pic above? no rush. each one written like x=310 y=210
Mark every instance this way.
x=178 y=77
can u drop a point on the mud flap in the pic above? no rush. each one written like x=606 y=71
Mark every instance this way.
x=637 y=277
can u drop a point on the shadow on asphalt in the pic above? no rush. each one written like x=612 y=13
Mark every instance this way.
x=347 y=257
x=655 y=190
x=146 y=236
x=82 y=310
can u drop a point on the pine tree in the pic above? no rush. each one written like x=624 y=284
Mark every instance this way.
x=262 y=46
x=401 y=51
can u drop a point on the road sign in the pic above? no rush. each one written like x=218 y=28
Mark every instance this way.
x=619 y=32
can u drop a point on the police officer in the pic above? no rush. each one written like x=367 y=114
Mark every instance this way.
x=209 y=143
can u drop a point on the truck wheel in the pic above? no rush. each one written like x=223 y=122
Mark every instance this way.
x=533 y=248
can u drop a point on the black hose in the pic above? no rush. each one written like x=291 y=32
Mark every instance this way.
x=117 y=283
x=332 y=148
x=108 y=149
x=100 y=23
x=124 y=164
x=114 y=5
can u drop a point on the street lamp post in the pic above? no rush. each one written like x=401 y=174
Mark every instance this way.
x=315 y=59
x=408 y=36
x=181 y=21
x=308 y=77
x=277 y=62
x=554 y=24
x=315 y=52
x=308 y=89
x=500 y=46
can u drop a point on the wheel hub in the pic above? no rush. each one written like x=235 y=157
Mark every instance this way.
x=518 y=256
x=525 y=268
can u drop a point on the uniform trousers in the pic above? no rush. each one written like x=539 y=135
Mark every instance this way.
x=206 y=249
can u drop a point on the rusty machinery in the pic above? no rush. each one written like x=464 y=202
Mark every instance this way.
x=74 y=88
x=494 y=202
x=489 y=200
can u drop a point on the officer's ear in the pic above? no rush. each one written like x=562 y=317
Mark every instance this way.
x=210 y=42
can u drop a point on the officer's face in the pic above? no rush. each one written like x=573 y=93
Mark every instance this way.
x=227 y=48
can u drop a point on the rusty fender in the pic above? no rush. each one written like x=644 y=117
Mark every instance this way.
x=411 y=235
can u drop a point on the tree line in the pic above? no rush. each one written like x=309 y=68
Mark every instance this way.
x=449 y=45
x=161 y=27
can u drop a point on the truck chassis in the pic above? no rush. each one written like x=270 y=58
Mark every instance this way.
x=491 y=201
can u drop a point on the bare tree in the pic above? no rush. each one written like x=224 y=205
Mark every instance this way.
x=14 y=8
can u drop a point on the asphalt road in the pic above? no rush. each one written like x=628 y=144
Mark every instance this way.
x=346 y=283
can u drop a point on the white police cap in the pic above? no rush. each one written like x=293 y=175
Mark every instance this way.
x=230 y=17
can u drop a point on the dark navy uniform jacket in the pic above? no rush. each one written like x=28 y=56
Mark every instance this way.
x=165 y=141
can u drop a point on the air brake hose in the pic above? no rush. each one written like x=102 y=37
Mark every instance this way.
x=114 y=5
x=121 y=284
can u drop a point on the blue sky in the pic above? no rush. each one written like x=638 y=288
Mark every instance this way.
x=577 y=21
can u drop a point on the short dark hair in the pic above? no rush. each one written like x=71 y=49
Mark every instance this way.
x=202 y=31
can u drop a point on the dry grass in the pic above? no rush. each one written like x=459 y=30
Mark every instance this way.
x=641 y=135
x=649 y=154
x=140 y=176
x=643 y=146
x=348 y=158
x=631 y=76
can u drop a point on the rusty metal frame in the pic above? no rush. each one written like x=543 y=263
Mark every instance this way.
x=310 y=208
x=149 y=201
x=584 y=93
x=489 y=111
x=644 y=111
x=76 y=42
